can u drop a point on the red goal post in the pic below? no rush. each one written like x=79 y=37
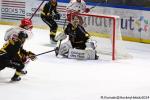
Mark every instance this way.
x=105 y=26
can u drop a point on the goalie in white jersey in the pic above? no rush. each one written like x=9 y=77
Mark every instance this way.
x=77 y=45
x=75 y=7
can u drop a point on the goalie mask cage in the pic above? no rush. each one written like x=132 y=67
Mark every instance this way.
x=107 y=33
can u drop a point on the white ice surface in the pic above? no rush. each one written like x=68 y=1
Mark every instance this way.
x=51 y=78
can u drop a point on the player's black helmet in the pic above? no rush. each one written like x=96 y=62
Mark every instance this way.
x=22 y=35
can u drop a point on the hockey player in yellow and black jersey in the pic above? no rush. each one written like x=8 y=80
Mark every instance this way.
x=14 y=56
x=49 y=15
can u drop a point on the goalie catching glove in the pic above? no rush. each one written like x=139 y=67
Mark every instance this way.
x=57 y=16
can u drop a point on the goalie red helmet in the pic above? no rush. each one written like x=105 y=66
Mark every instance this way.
x=26 y=23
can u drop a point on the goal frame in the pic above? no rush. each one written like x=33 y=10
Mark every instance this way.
x=113 y=32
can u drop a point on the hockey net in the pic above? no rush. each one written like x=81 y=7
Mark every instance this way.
x=105 y=30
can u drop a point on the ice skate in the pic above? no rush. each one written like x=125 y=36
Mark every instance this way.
x=16 y=78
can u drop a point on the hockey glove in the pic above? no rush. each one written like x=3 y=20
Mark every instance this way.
x=32 y=56
x=57 y=16
x=2 y=52
x=24 y=58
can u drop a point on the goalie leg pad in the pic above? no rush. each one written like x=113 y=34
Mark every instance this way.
x=82 y=54
x=90 y=45
x=60 y=36
x=64 y=48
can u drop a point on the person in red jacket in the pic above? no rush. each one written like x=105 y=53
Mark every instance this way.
x=75 y=7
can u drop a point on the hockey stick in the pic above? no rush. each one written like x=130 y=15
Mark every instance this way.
x=37 y=9
x=96 y=5
x=64 y=24
x=44 y=52
x=57 y=48
x=30 y=57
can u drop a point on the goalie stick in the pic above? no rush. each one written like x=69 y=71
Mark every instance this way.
x=57 y=48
